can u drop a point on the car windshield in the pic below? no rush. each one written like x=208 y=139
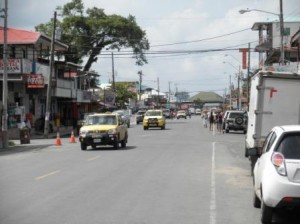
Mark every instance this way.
x=153 y=113
x=290 y=146
x=100 y=120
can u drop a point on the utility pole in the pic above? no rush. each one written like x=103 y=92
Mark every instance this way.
x=169 y=97
x=140 y=89
x=113 y=72
x=158 y=103
x=4 y=80
x=248 y=78
x=230 y=96
x=51 y=65
x=282 y=59
x=238 y=94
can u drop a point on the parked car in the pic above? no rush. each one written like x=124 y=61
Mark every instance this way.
x=103 y=129
x=154 y=118
x=181 y=114
x=124 y=115
x=235 y=120
x=139 y=116
x=277 y=171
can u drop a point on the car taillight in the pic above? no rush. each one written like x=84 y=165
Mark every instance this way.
x=278 y=161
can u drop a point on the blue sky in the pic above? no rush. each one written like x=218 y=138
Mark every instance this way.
x=192 y=24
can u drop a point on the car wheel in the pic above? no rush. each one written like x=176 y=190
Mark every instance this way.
x=116 y=145
x=256 y=201
x=163 y=127
x=94 y=146
x=145 y=128
x=266 y=213
x=83 y=146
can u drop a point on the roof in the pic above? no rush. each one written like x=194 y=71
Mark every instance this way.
x=207 y=97
x=25 y=37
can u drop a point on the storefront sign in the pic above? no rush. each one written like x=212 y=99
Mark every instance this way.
x=35 y=81
x=13 y=66
x=70 y=74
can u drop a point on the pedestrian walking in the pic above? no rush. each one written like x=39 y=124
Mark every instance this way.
x=205 y=119
x=220 y=122
x=211 y=121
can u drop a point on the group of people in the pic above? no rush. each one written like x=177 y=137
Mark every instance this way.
x=213 y=118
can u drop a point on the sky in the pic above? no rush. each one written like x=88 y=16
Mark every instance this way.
x=206 y=27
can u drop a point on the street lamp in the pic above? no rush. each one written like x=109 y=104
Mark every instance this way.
x=282 y=60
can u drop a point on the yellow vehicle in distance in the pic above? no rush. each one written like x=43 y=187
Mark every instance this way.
x=103 y=129
x=154 y=118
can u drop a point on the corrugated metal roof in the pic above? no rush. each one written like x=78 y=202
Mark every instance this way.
x=16 y=36
x=19 y=37
x=210 y=97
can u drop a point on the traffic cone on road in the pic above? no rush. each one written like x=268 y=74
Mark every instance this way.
x=72 y=138
x=57 y=141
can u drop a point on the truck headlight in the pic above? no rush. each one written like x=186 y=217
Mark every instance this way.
x=83 y=133
x=112 y=131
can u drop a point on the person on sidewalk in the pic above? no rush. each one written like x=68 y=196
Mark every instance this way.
x=211 y=121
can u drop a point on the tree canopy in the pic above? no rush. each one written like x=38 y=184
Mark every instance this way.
x=88 y=32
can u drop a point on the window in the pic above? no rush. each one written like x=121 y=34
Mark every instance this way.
x=269 y=141
x=289 y=146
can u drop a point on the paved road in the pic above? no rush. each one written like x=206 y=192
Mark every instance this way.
x=182 y=175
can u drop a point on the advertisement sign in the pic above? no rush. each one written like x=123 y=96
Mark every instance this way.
x=13 y=66
x=109 y=98
x=35 y=81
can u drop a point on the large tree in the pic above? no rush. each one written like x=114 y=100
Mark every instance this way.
x=88 y=32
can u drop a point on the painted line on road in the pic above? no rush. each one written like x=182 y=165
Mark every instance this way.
x=93 y=158
x=47 y=175
x=212 y=209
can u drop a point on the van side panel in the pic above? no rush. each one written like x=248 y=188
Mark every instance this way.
x=274 y=100
x=281 y=103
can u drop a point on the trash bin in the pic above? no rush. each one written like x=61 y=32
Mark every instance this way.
x=25 y=135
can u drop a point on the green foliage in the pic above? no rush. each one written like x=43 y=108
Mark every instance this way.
x=123 y=94
x=89 y=31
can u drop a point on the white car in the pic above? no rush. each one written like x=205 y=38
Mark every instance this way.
x=277 y=172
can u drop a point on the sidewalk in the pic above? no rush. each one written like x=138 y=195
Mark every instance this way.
x=65 y=131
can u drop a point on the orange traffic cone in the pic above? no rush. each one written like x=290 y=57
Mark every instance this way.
x=72 y=138
x=57 y=141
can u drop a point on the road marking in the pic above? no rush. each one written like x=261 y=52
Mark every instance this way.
x=93 y=158
x=47 y=175
x=212 y=209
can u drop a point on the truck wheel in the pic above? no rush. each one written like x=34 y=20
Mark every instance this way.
x=83 y=146
x=116 y=145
